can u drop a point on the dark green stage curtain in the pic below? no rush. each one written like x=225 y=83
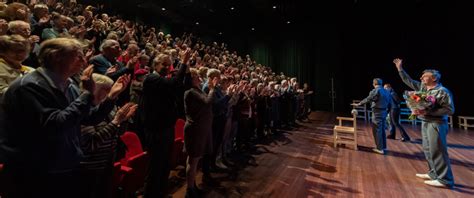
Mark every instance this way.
x=297 y=58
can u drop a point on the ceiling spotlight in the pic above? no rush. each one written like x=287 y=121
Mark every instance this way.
x=197 y=23
x=288 y=22
x=274 y=7
x=163 y=9
x=231 y=8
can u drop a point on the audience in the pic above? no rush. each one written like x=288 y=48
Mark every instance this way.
x=76 y=114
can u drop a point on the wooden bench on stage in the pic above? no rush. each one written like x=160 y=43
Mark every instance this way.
x=462 y=121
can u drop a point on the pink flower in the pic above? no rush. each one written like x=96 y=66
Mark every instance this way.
x=430 y=99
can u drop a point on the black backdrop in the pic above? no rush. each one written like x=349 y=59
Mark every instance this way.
x=356 y=42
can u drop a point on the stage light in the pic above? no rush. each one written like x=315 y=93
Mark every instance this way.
x=274 y=7
x=220 y=33
x=253 y=29
x=163 y=9
x=197 y=23
x=231 y=8
x=288 y=22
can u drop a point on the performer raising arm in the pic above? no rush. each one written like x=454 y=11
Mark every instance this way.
x=434 y=126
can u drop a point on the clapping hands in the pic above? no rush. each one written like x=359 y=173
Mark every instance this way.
x=124 y=113
x=119 y=86
x=86 y=79
x=213 y=83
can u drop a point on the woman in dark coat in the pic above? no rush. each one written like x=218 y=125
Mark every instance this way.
x=198 y=128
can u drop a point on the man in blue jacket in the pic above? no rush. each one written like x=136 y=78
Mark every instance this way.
x=380 y=100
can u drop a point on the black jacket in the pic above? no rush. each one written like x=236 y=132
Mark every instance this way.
x=42 y=127
x=158 y=104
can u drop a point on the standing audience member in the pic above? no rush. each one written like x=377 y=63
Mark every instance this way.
x=198 y=128
x=100 y=142
x=42 y=156
x=13 y=51
x=3 y=27
x=106 y=62
x=58 y=29
x=159 y=116
x=17 y=11
x=39 y=20
x=23 y=29
x=219 y=109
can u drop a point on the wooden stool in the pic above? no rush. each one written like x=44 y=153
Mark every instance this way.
x=462 y=120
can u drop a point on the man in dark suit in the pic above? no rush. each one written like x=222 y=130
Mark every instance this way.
x=380 y=101
x=159 y=114
x=395 y=115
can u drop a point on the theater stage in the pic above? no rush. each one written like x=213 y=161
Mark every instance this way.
x=303 y=163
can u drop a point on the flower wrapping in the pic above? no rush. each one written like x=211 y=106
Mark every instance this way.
x=418 y=100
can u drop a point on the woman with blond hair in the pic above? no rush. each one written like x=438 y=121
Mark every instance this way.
x=14 y=50
x=100 y=143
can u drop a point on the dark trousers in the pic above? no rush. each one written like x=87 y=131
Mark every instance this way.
x=435 y=147
x=218 y=125
x=244 y=133
x=28 y=183
x=394 y=123
x=96 y=183
x=378 y=128
x=208 y=160
x=160 y=145
x=260 y=123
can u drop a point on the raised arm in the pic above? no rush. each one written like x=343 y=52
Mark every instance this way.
x=415 y=85
x=179 y=78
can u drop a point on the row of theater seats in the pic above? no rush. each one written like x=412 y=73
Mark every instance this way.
x=130 y=172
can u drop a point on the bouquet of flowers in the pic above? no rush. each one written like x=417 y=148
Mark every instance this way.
x=418 y=100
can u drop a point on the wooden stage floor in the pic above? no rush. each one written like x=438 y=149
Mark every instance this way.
x=303 y=163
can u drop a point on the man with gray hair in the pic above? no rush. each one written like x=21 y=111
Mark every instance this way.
x=23 y=29
x=380 y=100
x=39 y=20
x=106 y=64
x=219 y=111
x=434 y=127
x=107 y=59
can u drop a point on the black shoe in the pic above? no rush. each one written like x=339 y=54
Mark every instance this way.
x=209 y=181
x=191 y=193
x=405 y=139
x=391 y=137
x=199 y=191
